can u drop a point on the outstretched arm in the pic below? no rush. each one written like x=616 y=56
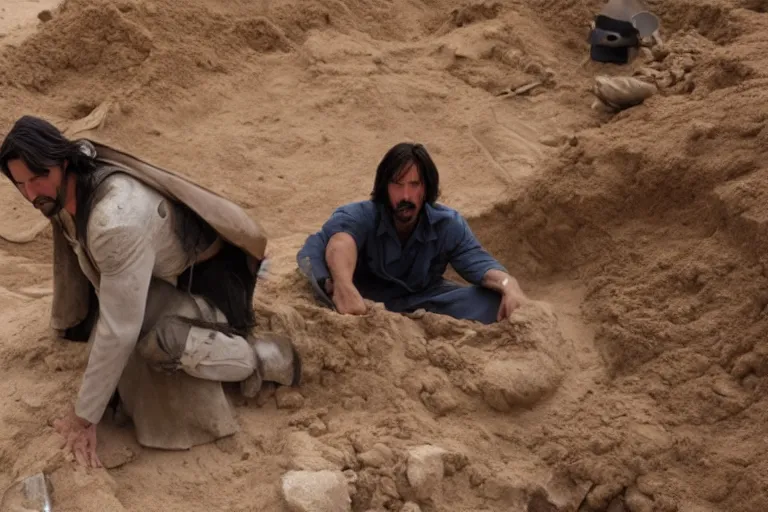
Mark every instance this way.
x=125 y=259
x=332 y=254
x=341 y=256
x=478 y=267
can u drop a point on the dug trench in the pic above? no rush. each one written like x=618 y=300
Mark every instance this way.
x=665 y=233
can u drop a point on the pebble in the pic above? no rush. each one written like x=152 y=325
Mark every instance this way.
x=678 y=73
x=288 y=398
x=442 y=402
x=378 y=456
x=534 y=68
x=687 y=63
x=317 y=428
x=637 y=501
x=425 y=469
x=388 y=487
x=659 y=53
x=552 y=141
x=701 y=129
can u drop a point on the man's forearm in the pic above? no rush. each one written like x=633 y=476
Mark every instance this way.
x=501 y=282
x=311 y=257
x=341 y=257
x=122 y=298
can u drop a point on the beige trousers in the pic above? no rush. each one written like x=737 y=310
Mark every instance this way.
x=184 y=332
x=174 y=409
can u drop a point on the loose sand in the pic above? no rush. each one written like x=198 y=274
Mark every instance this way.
x=640 y=374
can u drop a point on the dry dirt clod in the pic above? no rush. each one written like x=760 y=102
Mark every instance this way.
x=410 y=506
x=425 y=469
x=288 y=398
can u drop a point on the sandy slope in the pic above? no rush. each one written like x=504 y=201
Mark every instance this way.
x=641 y=373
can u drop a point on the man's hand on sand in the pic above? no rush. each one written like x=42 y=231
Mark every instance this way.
x=79 y=439
x=346 y=298
x=512 y=299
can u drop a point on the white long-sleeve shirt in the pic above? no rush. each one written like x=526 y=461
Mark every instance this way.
x=131 y=238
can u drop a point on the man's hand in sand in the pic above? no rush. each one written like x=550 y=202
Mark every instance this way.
x=79 y=438
x=346 y=298
x=512 y=298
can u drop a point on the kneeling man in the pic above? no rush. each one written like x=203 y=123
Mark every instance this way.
x=395 y=247
x=164 y=271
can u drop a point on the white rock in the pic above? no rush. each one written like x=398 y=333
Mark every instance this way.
x=316 y=491
x=410 y=507
x=425 y=469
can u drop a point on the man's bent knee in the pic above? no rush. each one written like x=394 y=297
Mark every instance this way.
x=177 y=343
x=203 y=351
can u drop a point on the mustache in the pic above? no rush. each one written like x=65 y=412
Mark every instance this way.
x=405 y=205
x=42 y=201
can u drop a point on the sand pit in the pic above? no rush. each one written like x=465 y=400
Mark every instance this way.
x=635 y=382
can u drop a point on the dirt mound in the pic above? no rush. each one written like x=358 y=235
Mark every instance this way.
x=660 y=212
x=636 y=383
x=119 y=44
x=394 y=367
x=84 y=38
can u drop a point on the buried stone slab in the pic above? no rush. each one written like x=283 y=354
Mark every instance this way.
x=316 y=491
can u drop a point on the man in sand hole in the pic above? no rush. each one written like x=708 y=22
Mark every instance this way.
x=164 y=271
x=395 y=248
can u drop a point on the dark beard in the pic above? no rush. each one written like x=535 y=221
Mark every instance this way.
x=401 y=208
x=48 y=206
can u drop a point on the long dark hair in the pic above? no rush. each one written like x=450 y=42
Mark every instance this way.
x=40 y=145
x=395 y=161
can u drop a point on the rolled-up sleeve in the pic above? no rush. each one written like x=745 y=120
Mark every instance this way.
x=125 y=258
x=356 y=219
x=466 y=255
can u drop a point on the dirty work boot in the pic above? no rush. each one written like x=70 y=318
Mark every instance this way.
x=202 y=351
x=277 y=361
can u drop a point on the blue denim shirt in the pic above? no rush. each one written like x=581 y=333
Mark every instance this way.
x=386 y=269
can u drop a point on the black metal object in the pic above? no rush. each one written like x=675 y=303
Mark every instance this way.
x=611 y=40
